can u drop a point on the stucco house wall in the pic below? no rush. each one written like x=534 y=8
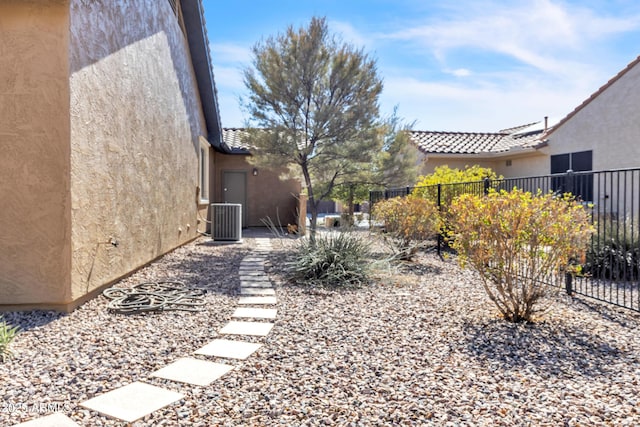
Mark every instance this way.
x=268 y=195
x=135 y=127
x=101 y=131
x=431 y=162
x=509 y=166
x=35 y=254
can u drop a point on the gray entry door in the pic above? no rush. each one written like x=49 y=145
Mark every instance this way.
x=234 y=190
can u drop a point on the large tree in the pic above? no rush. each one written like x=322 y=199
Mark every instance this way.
x=313 y=102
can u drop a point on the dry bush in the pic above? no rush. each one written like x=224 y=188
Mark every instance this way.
x=518 y=242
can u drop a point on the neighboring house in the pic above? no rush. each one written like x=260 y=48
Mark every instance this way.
x=265 y=194
x=510 y=152
x=108 y=122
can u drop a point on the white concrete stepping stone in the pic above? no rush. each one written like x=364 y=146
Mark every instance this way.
x=253 y=260
x=133 y=401
x=251 y=273
x=193 y=371
x=257 y=291
x=229 y=349
x=54 y=420
x=256 y=313
x=257 y=300
x=259 y=329
x=260 y=278
x=252 y=284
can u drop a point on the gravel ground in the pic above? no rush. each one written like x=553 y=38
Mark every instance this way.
x=422 y=346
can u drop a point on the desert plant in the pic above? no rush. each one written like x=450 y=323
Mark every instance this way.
x=7 y=334
x=338 y=259
x=517 y=242
x=614 y=252
x=408 y=223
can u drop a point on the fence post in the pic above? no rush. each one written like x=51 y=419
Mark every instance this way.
x=439 y=246
x=487 y=185
x=568 y=182
x=568 y=283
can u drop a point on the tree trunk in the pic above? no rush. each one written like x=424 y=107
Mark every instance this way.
x=350 y=208
x=313 y=206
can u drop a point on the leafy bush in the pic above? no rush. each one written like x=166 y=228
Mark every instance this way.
x=454 y=182
x=517 y=242
x=334 y=260
x=7 y=334
x=614 y=254
x=614 y=261
x=408 y=222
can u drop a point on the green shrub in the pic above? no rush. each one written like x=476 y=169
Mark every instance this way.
x=614 y=253
x=334 y=260
x=408 y=223
x=7 y=334
x=516 y=242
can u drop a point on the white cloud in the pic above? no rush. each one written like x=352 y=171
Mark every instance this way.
x=460 y=72
x=229 y=77
x=348 y=33
x=444 y=106
x=538 y=33
x=229 y=52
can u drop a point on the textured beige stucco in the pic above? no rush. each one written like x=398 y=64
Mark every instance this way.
x=267 y=194
x=135 y=124
x=34 y=142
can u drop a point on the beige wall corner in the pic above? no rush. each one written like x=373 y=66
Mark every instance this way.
x=34 y=141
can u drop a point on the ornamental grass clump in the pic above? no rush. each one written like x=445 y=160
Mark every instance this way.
x=333 y=260
x=7 y=334
x=518 y=243
x=409 y=223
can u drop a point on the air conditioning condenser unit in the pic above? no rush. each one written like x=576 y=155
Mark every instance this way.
x=226 y=221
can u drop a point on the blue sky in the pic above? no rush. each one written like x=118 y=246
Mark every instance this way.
x=464 y=65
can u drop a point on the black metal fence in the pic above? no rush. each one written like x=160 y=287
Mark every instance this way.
x=611 y=270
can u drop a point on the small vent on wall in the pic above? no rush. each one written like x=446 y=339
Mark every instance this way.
x=508 y=162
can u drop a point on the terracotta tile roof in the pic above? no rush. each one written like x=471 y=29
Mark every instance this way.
x=524 y=136
x=235 y=139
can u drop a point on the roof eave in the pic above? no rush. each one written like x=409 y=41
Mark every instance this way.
x=517 y=151
x=193 y=15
